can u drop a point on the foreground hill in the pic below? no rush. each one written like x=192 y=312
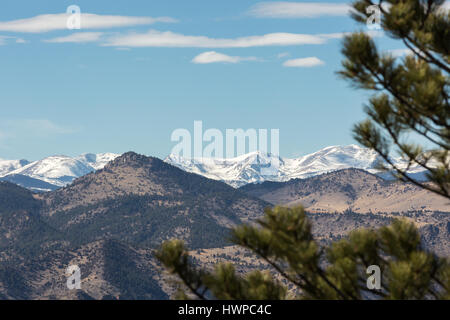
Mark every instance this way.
x=349 y=189
x=108 y=222
x=143 y=200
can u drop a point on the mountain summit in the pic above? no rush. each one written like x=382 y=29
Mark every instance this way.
x=52 y=172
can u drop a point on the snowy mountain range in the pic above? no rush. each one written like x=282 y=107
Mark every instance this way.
x=57 y=171
x=249 y=168
x=52 y=172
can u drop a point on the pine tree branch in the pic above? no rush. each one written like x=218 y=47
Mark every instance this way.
x=321 y=274
x=383 y=82
x=432 y=59
x=199 y=295
x=406 y=177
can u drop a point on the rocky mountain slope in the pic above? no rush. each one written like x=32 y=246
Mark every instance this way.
x=144 y=201
x=108 y=222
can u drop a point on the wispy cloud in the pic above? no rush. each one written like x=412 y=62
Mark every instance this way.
x=2 y=139
x=283 y=55
x=154 y=38
x=304 y=62
x=15 y=130
x=52 y=22
x=35 y=127
x=5 y=39
x=215 y=57
x=45 y=126
x=400 y=52
x=79 y=37
x=291 y=10
x=339 y=35
x=298 y=9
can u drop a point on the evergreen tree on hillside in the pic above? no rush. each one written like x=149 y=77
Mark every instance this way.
x=284 y=240
x=410 y=93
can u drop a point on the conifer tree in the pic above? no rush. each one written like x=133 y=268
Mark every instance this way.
x=410 y=93
x=283 y=239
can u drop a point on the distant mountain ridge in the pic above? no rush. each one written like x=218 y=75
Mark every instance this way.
x=7 y=166
x=52 y=172
x=247 y=169
x=56 y=171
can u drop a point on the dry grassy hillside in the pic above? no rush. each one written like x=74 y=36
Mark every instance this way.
x=350 y=189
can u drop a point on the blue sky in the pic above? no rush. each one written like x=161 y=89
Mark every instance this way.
x=137 y=70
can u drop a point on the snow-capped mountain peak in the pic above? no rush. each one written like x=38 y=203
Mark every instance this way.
x=97 y=161
x=237 y=171
x=56 y=171
x=7 y=166
x=249 y=168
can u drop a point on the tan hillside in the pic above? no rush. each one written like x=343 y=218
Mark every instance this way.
x=350 y=189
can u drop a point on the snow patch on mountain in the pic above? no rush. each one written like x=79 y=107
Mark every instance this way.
x=97 y=161
x=7 y=166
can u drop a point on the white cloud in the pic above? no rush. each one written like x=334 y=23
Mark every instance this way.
x=400 y=52
x=52 y=22
x=154 y=38
x=2 y=138
x=79 y=37
x=298 y=9
x=304 y=62
x=340 y=35
x=4 y=40
x=13 y=130
x=283 y=55
x=214 y=57
x=289 y=10
x=44 y=126
x=36 y=127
